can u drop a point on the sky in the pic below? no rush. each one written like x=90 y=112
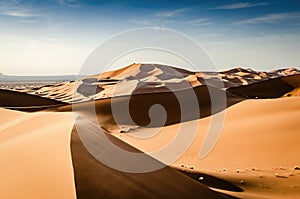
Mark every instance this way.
x=52 y=37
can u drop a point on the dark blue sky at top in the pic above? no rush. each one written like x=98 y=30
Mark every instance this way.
x=117 y=15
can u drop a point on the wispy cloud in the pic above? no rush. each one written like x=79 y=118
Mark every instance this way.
x=240 y=5
x=199 y=22
x=172 y=13
x=18 y=13
x=143 y=22
x=13 y=9
x=70 y=3
x=161 y=19
x=151 y=22
x=270 y=18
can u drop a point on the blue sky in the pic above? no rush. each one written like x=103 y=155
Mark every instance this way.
x=56 y=36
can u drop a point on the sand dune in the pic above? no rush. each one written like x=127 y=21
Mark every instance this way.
x=94 y=179
x=258 y=134
x=142 y=102
x=154 y=78
x=43 y=156
x=273 y=121
x=35 y=159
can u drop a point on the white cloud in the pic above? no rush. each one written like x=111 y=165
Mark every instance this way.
x=172 y=13
x=18 y=13
x=270 y=18
x=199 y=22
x=13 y=9
x=240 y=5
x=160 y=19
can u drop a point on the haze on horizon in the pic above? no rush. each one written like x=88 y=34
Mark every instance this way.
x=54 y=37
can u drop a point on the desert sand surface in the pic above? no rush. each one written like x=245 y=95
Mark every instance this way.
x=94 y=179
x=257 y=150
x=35 y=155
x=46 y=152
x=36 y=163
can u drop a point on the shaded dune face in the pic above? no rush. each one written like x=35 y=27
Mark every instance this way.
x=135 y=110
x=26 y=102
x=180 y=106
x=88 y=88
x=272 y=88
x=93 y=179
x=211 y=181
x=140 y=107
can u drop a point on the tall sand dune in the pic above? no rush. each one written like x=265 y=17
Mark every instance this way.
x=43 y=155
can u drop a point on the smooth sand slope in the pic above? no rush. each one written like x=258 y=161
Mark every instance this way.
x=260 y=138
x=35 y=159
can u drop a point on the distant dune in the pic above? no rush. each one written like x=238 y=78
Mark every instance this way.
x=256 y=155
